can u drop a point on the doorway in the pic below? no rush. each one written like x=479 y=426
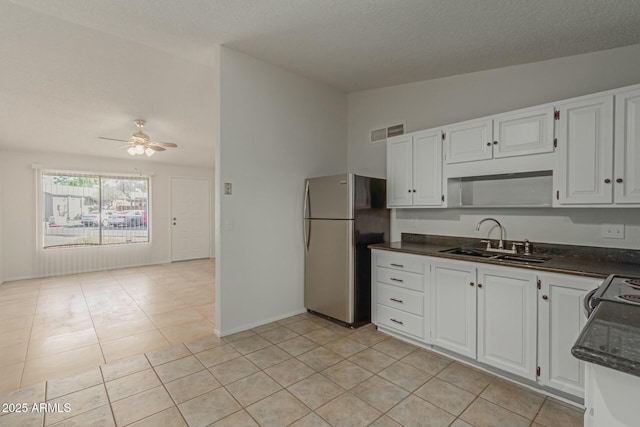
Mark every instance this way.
x=190 y=219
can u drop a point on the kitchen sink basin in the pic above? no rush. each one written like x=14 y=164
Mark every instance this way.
x=477 y=253
x=523 y=258
x=470 y=252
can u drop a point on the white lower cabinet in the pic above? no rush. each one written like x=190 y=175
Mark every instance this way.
x=453 y=306
x=398 y=293
x=561 y=317
x=520 y=321
x=507 y=320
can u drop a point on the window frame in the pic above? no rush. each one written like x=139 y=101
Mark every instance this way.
x=40 y=228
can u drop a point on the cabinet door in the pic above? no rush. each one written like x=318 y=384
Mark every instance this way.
x=453 y=307
x=561 y=317
x=522 y=133
x=507 y=320
x=399 y=171
x=469 y=141
x=627 y=148
x=585 y=151
x=427 y=169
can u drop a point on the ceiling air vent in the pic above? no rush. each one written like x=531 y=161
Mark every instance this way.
x=381 y=135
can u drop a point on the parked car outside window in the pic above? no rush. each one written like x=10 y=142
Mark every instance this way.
x=93 y=218
x=127 y=219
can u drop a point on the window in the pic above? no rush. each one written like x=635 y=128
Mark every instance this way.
x=87 y=210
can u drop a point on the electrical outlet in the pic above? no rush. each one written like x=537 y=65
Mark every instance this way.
x=227 y=188
x=613 y=231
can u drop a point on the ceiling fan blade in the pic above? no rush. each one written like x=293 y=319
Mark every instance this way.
x=113 y=139
x=165 y=144
x=155 y=148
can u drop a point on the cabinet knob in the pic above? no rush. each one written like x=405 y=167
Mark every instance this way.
x=414 y=190
x=409 y=190
x=471 y=284
x=607 y=181
x=495 y=142
x=619 y=180
x=488 y=144
x=545 y=297
x=479 y=285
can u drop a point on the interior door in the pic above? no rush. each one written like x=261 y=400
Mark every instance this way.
x=190 y=219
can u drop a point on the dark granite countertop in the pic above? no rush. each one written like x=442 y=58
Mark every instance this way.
x=575 y=260
x=611 y=338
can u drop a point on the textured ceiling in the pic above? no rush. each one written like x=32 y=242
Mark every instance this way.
x=73 y=70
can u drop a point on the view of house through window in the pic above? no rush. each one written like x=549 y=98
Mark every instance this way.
x=88 y=210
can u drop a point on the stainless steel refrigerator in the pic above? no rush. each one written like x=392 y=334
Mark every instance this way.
x=343 y=214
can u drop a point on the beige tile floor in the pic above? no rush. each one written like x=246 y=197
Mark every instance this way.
x=135 y=347
x=301 y=371
x=57 y=326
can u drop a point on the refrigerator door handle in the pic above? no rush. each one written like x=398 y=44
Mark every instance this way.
x=304 y=217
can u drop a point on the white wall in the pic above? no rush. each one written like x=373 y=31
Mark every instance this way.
x=23 y=258
x=442 y=101
x=276 y=129
x=1 y=216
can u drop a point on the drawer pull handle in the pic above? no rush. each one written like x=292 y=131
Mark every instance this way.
x=397 y=300
x=396 y=280
x=397 y=265
x=397 y=321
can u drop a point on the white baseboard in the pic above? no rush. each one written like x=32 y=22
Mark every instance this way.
x=260 y=323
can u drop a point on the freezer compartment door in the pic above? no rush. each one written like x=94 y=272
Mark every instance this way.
x=329 y=197
x=328 y=285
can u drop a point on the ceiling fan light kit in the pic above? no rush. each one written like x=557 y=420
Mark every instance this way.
x=140 y=143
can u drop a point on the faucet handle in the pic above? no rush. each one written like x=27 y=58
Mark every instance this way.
x=488 y=242
x=527 y=247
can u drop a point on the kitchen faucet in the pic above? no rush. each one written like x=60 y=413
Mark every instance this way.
x=501 y=242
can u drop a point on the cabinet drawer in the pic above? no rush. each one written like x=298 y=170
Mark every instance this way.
x=400 y=263
x=400 y=321
x=401 y=299
x=400 y=278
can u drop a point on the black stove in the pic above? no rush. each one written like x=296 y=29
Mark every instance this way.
x=615 y=288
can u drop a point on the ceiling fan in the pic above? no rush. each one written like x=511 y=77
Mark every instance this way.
x=140 y=143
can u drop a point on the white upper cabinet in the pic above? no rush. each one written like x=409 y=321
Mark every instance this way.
x=400 y=171
x=585 y=151
x=468 y=141
x=507 y=320
x=627 y=148
x=518 y=133
x=414 y=169
x=524 y=132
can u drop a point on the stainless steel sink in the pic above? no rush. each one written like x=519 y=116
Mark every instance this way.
x=477 y=253
x=523 y=258
x=470 y=252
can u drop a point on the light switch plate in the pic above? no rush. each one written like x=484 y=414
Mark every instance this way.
x=613 y=231
x=227 y=188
